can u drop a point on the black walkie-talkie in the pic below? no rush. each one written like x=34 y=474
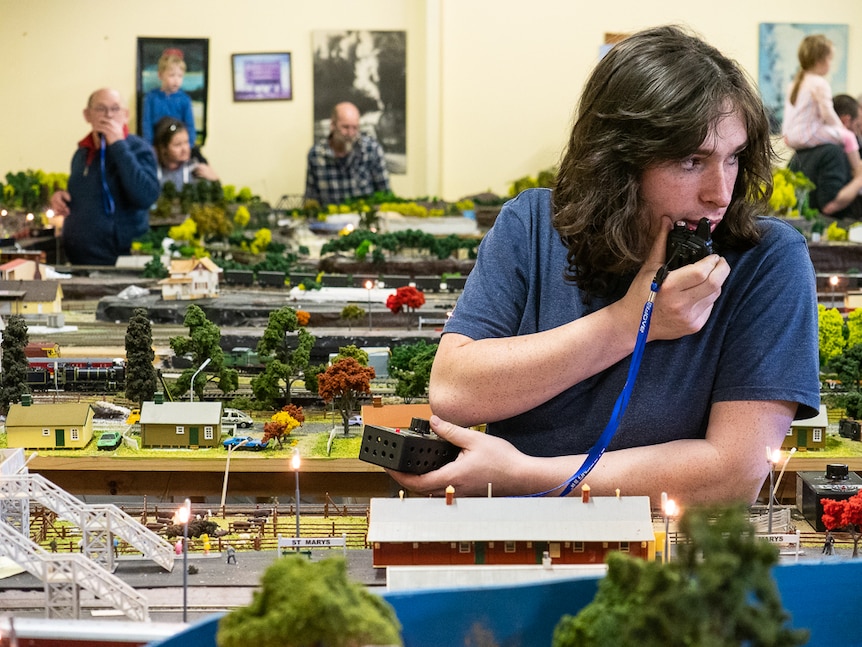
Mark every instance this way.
x=685 y=246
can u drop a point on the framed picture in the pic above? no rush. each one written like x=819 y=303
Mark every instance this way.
x=195 y=53
x=262 y=77
x=779 y=43
x=369 y=69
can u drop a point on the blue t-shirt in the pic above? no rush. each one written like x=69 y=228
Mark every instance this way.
x=158 y=104
x=760 y=342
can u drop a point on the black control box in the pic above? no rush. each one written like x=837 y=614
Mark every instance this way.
x=837 y=483
x=416 y=450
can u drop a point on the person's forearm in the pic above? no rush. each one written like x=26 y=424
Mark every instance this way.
x=730 y=465
x=689 y=471
x=138 y=178
x=492 y=379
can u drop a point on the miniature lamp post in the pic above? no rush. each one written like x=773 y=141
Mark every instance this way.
x=833 y=282
x=783 y=467
x=226 y=470
x=772 y=457
x=192 y=385
x=183 y=515
x=669 y=509
x=368 y=286
x=294 y=462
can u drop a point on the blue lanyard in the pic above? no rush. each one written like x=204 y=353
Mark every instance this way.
x=597 y=450
x=107 y=198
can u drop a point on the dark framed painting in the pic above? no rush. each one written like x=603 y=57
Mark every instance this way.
x=369 y=69
x=195 y=53
x=262 y=77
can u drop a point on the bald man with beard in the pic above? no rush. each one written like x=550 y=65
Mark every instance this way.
x=346 y=165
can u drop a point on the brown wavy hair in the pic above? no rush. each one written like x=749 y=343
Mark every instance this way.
x=812 y=50
x=652 y=99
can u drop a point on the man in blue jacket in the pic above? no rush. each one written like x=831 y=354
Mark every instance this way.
x=112 y=184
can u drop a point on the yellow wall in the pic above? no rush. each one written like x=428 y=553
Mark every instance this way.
x=491 y=83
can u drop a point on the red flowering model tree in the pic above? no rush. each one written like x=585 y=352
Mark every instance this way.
x=844 y=515
x=343 y=383
x=405 y=299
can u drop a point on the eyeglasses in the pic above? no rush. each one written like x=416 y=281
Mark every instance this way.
x=105 y=110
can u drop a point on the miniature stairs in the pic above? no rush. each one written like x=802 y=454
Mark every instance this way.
x=62 y=574
x=97 y=522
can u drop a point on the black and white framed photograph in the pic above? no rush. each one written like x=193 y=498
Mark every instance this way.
x=369 y=69
x=262 y=77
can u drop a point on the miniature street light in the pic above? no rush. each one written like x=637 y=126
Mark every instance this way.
x=227 y=469
x=368 y=286
x=182 y=516
x=669 y=509
x=294 y=462
x=833 y=282
x=783 y=467
x=772 y=458
x=192 y=385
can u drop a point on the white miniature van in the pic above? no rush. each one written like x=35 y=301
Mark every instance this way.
x=236 y=418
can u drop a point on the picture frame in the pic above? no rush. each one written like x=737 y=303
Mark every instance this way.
x=262 y=76
x=368 y=69
x=778 y=62
x=195 y=81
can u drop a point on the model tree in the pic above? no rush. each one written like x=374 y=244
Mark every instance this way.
x=283 y=364
x=351 y=313
x=844 y=515
x=854 y=327
x=342 y=383
x=282 y=424
x=406 y=298
x=202 y=344
x=410 y=364
x=831 y=333
x=353 y=351
x=302 y=603
x=14 y=363
x=141 y=379
x=848 y=366
x=719 y=592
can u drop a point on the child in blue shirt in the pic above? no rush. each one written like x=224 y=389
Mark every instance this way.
x=169 y=100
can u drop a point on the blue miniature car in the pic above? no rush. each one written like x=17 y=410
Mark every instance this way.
x=245 y=442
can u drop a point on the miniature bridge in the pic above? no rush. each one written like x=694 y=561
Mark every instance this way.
x=64 y=575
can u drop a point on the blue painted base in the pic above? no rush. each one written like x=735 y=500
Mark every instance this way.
x=823 y=597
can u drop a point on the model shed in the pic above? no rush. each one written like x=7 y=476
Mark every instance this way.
x=807 y=434
x=50 y=426
x=180 y=424
x=508 y=530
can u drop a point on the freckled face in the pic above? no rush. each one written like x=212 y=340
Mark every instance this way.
x=700 y=185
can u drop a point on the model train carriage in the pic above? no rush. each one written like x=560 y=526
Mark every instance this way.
x=77 y=374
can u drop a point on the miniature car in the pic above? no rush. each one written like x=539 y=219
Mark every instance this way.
x=236 y=417
x=355 y=421
x=245 y=442
x=134 y=417
x=109 y=440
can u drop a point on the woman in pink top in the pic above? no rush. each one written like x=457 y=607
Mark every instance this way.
x=810 y=119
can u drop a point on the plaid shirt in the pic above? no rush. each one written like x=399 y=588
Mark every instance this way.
x=333 y=180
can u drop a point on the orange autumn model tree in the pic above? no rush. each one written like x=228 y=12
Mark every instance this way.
x=282 y=423
x=844 y=515
x=342 y=383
